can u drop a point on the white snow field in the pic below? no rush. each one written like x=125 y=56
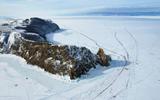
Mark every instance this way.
x=132 y=42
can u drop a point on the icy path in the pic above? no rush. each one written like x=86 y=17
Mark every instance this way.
x=139 y=79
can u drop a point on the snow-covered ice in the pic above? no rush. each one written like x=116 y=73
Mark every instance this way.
x=136 y=38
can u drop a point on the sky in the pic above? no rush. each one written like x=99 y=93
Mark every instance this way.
x=23 y=8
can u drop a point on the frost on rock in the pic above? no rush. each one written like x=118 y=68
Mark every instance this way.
x=56 y=59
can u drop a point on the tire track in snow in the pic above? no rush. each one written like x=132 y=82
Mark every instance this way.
x=126 y=58
x=123 y=68
x=136 y=45
x=130 y=71
x=122 y=45
x=136 y=53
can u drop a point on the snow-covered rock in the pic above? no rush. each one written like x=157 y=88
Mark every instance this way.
x=56 y=59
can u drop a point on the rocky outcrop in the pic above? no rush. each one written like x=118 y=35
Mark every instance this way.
x=33 y=37
x=63 y=60
x=102 y=58
x=56 y=59
x=38 y=26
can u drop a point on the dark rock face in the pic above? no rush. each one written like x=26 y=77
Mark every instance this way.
x=56 y=59
x=33 y=37
x=5 y=24
x=38 y=26
x=33 y=29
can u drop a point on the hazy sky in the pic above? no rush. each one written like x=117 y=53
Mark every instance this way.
x=23 y=8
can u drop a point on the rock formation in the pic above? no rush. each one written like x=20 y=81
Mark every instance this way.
x=38 y=26
x=31 y=45
x=103 y=58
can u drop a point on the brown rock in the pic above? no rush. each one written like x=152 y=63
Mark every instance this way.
x=56 y=59
x=32 y=45
x=102 y=58
x=59 y=59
